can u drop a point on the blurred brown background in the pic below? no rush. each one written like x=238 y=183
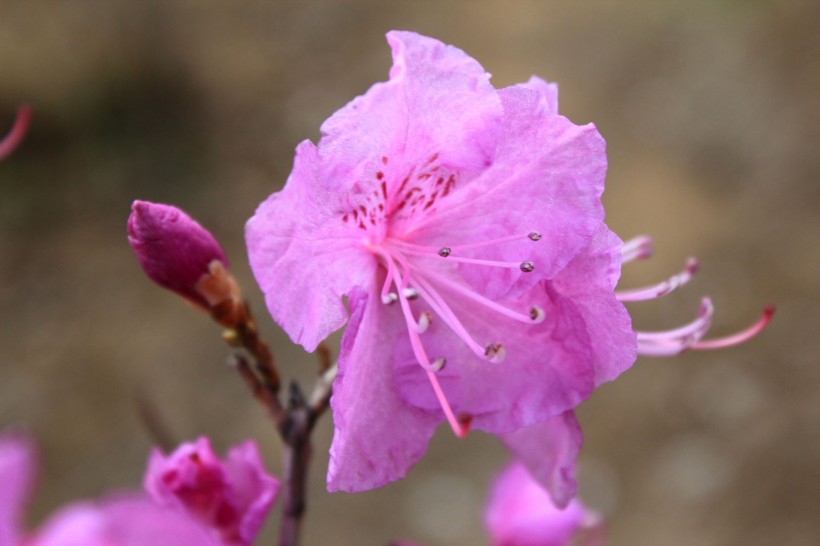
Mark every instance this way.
x=710 y=110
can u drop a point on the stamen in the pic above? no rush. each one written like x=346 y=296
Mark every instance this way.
x=425 y=319
x=410 y=293
x=389 y=297
x=740 y=337
x=532 y=236
x=15 y=135
x=476 y=261
x=638 y=248
x=700 y=324
x=495 y=352
x=459 y=425
x=478 y=298
x=672 y=342
x=662 y=288
x=443 y=310
x=444 y=251
x=439 y=363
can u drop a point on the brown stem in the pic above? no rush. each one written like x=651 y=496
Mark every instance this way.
x=294 y=424
x=296 y=436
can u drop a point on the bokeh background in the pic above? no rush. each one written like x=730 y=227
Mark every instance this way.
x=710 y=109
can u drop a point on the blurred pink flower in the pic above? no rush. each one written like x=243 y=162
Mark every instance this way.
x=174 y=250
x=521 y=513
x=18 y=130
x=463 y=225
x=232 y=497
x=134 y=519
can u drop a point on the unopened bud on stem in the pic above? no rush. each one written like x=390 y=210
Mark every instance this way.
x=179 y=254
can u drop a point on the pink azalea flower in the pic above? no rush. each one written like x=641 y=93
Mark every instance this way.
x=244 y=492
x=179 y=254
x=464 y=227
x=521 y=513
x=232 y=497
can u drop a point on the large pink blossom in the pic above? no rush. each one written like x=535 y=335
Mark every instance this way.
x=458 y=230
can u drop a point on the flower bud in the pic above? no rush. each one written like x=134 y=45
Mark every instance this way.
x=179 y=254
x=232 y=497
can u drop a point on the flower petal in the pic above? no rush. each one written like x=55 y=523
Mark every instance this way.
x=548 y=367
x=549 y=451
x=548 y=92
x=520 y=513
x=124 y=521
x=589 y=281
x=303 y=255
x=547 y=176
x=17 y=465
x=438 y=101
x=254 y=489
x=377 y=437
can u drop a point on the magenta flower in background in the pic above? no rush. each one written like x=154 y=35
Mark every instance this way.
x=175 y=251
x=121 y=521
x=172 y=515
x=232 y=497
x=521 y=513
x=464 y=227
x=17 y=467
x=18 y=130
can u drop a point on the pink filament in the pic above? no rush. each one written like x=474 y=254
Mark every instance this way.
x=740 y=337
x=662 y=288
x=17 y=131
x=638 y=248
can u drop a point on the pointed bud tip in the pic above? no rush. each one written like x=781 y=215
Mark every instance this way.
x=173 y=249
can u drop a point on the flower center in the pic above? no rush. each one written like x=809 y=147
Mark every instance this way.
x=413 y=274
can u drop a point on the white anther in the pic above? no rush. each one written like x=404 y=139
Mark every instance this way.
x=537 y=314
x=389 y=298
x=526 y=267
x=425 y=318
x=410 y=293
x=438 y=364
x=495 y=352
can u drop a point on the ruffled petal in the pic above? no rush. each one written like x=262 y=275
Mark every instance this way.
x=377 y=437
x=17 y=466
x=589 y=281
x=438 y=101
x=255 y=490
x=548 y=92
x=304 y=257
x=549 y=451
x=547 y=176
